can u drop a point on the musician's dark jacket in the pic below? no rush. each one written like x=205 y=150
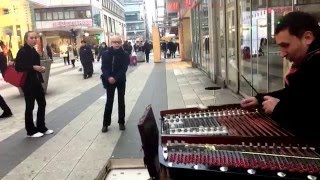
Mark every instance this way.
x=114 y=64
x=298 y=108
x=27 y=57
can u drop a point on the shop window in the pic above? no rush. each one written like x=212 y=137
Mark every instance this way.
x=49 y=15
x=55 y=16
x=81 y=15
x=43 y=16
x=72 y=15
x=37 y=15
x=66 y=15
x=60 y=15
x=88 y=14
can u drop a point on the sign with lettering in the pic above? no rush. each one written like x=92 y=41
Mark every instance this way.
x=71 y=23
x=173 y=5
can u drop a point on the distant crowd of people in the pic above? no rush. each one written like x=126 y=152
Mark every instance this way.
x=169 y=49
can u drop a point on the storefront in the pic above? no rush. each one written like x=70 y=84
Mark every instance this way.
x=63 y=26
x=13 y=26
x=234 y=41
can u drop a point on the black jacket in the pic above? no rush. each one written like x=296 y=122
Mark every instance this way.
x=27 y=57
x=86 y=55
x=3 y=63
x=114 y=64
x=298 y=107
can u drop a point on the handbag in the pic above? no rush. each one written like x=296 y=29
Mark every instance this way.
x=14 y=77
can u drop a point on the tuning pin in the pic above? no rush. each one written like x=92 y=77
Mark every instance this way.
x=281 y=174
x=223 y=168
x=311 y=177
x=251 y=171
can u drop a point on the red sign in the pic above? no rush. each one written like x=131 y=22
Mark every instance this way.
x=189 y=3
x=173 y=6
x=68 y=23
x=280 y=9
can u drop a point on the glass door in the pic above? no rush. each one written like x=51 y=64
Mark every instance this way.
x=231 y=33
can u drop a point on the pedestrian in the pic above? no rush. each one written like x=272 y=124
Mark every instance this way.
x=71 y=56
x=102 y=48
x=3 y=105
x=28 y=60
x=115 y=63
x=86 y=58
x=49 y=51
x=147 y=49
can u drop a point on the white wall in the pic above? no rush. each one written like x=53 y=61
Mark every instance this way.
x=62 y=2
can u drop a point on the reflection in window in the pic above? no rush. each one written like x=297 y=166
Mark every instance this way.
x=55 y=15
x=43 y=16
x=245 y=46
x=205 y=35
x=60 y=15
x=88 y=14
x=38 y=18
x=66 y=15
x=49 y=16
x=72 y=15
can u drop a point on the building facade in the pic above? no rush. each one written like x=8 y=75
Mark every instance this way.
x=233 y=41
x=13 y=26
x=69 y=21
x=136 y=20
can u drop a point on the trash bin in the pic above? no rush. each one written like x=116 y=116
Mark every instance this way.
x=141 y=56
x=45 y=75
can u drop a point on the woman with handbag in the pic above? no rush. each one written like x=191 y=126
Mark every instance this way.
x=28 y=60
x=3 y=105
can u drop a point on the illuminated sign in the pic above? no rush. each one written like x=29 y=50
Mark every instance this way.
x=68 y=23
x=189 y=3
x=173 y=6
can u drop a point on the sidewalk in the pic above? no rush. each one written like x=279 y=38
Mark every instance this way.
x=78 y=149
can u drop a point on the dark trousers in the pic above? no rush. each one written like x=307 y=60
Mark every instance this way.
x=73 y=62
x=36 y=93
x=87 y=69
x=121 y=88
x=50 y=56
x=147 y=56
x=66 y=59
x=172 y=54
x=3 y=105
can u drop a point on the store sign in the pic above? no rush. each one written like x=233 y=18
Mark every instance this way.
x=189 y=3
x=280 y=9
x=173 y=5
x=71 y=23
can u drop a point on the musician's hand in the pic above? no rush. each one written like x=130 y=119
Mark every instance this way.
x=111 y=80
x=249 y=102
x=269 y=103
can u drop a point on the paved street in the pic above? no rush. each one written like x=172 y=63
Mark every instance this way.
x=78 y=149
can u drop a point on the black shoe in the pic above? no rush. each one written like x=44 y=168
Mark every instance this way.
x=104 y=129
x=6 y=114
x=85 y=77
x=122 y=127
x=89 y=76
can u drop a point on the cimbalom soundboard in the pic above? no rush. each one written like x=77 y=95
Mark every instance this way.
x=227 y=140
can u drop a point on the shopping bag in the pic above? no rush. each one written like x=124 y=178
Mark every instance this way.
x=14 y=77
x=133 y=59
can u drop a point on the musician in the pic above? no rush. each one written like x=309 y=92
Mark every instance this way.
x=295 y=106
